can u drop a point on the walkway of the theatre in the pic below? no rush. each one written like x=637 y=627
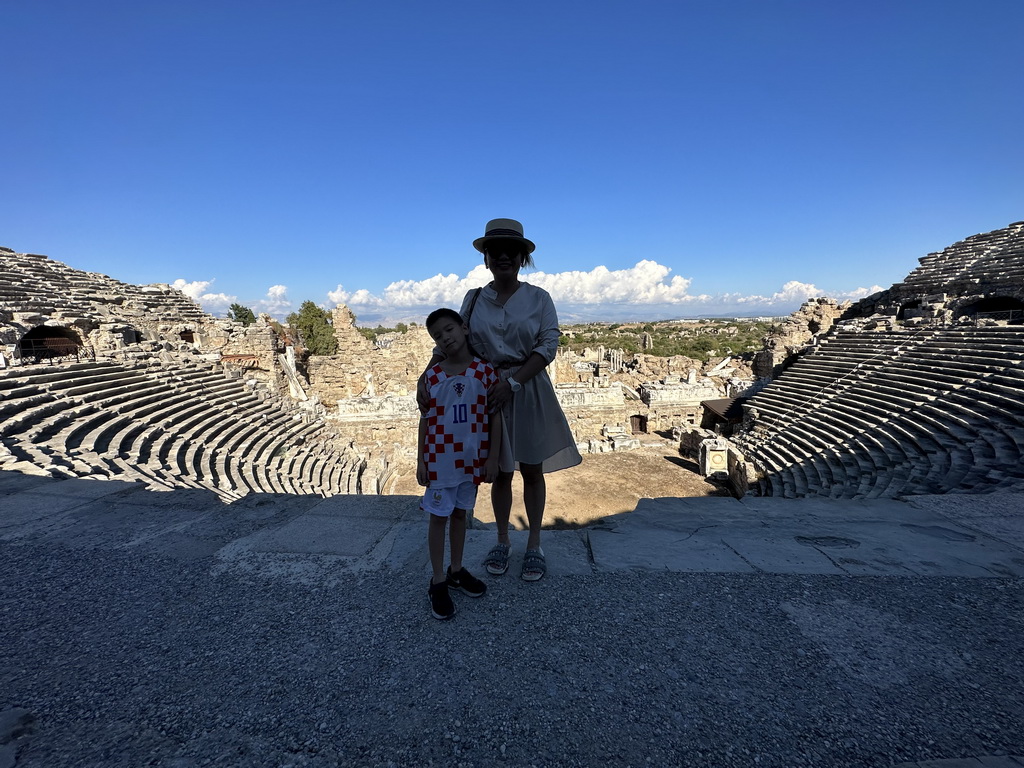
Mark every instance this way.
x=923 y=553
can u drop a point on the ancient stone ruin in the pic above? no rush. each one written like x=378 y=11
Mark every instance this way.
x=104 y=379
x=918 y=389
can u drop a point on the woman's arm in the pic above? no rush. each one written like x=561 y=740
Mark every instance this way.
x=421 y=461
x=494 y=427
x=501 y=393
x=422 y=390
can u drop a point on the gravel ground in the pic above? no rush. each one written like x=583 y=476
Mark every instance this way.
x=126 y=659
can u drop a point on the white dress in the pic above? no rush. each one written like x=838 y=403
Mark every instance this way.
x=535 y=430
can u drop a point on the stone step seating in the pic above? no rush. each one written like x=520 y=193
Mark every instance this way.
x=170 y=451
x=125 y=438
x=943 y=413
x=282 y=461
x=317 y=466
x=251 y=458
x=165 y=425
x=227 y=449
x=988 y=256
x=311 y=462
x=52 y=285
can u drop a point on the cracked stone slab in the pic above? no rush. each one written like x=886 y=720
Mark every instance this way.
x=997 y=515
x=671 y=535
x=319 y=535
x=892 y=537
x=812 y=536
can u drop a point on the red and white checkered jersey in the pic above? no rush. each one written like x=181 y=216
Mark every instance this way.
x=457 y=444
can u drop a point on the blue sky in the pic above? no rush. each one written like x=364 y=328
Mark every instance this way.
x=668 y=158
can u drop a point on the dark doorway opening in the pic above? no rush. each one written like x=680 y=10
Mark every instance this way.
x=1002 y=308
x=46 y=343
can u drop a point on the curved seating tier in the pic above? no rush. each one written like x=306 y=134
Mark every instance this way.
x=993 y=258
x=870 y=414
x=35 y=282
x=169 y=425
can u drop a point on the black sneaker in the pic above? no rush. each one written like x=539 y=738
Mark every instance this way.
x=441 y=605
x=466 y=582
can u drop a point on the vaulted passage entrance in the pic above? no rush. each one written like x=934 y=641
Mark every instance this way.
x=45 y=344
x=1003 y=308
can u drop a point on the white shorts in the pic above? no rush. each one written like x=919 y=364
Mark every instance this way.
x=441 y=501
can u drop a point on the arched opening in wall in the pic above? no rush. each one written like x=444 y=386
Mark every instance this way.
x=1005 y=309
x=132 y=336
x=46 y=344
x=902 y=313
x=638 y=424
x=189 y=337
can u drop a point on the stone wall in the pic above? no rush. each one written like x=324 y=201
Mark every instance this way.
x=362 y=369
x=590 y=409
x=814 y=319
x=112 y=320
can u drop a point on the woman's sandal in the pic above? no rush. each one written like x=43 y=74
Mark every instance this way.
x=496 y=561
x=534 y=565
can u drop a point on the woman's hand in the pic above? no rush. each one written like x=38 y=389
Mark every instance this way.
x=491 y=468
x=498 y=396
x=422 y=393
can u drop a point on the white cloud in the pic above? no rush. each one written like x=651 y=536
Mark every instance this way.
x=275 y=303
x=795 y=293
x=214 y=303
x=645 y=283
x=645 y=291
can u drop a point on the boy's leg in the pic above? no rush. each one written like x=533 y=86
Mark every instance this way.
x=457 y=538
x=435 y=543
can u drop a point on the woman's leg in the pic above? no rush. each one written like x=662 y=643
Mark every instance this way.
x=501 y=503
x=534 y=499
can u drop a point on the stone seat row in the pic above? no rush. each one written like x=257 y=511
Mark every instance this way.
x=900 y=427
x=34 y=283
x=166 y=426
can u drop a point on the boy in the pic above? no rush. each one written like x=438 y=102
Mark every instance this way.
x=454 y=455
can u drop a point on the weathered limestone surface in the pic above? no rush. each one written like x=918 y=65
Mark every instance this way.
x=143 y=385
x=952 y=283
x=898 y=403
x=362 y=369
x=814 y=319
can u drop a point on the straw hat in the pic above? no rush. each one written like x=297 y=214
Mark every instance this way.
x=502 y=229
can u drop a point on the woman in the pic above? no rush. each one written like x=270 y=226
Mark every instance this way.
x=513 y=326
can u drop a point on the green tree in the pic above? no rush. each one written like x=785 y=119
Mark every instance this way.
x=315 y=330
x=241 y=314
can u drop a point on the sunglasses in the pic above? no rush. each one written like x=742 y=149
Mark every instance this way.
x=508 y=250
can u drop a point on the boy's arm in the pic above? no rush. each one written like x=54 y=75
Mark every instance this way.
x=421 y=463
x=494 y=427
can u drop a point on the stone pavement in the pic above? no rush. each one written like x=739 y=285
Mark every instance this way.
x=308 y=539
x=971 y=536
